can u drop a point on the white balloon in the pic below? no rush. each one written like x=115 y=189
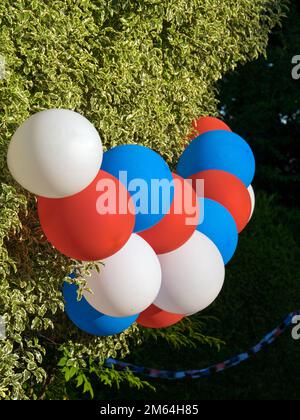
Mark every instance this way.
x=192 y=276
x=129 y=281
x=252 y=198
x=55 y=153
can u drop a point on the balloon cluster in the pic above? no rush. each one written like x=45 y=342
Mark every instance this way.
x=163 y=241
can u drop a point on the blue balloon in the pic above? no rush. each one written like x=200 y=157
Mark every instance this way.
x=221 y=150
x=219 y=226
x=88 y=319
x=142 y=167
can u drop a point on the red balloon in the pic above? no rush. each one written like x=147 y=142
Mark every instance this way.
x=178 y=225
x=229 y=191
x=204 y=124
x=90 y=225
x=153 y=317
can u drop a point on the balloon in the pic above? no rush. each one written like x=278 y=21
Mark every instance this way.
x=221 y=150
x=219 y=226
x=179 y=224
x=154 y=317
x=129 y=281
x=252 y=198
x=205 y=124
x=227 y=190
x=192 y=276
x=141 y=169
x=85 y=317
x=55 y=153
x=90 y=225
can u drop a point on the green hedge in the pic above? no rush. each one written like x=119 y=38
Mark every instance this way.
x=140 y=71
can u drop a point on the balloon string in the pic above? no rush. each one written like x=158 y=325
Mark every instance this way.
x=205 y=372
